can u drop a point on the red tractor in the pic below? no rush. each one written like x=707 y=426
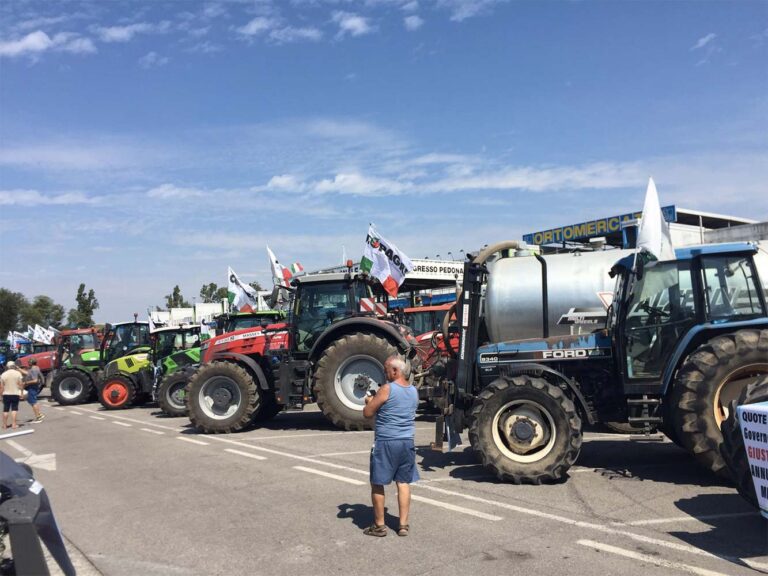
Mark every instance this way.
x=71 y=342
x=331 y=351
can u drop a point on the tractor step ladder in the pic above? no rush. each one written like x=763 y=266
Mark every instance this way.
x=647 y=406
x=294 y=392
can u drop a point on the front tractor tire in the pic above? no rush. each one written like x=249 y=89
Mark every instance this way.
x=222 y=397
x=711 y=377
x=70 y=387
x=117 y=393
x=733 y=449
x=525 y=430
x=346 y=370
x=172 y=394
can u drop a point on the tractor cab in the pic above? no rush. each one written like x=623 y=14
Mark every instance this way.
x=324 y=299
x=168 y=341
x=24 y=348
x=77 y=347
x=123 y=339
x=661 y=308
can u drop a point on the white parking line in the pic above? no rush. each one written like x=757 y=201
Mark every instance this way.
x=152 y=431
x=455 y=508
x=193 y=441
x=648 y=559
x=134 y=420
x=677 y=519
x=122 y=423
x=246 y=454
x=76 y=412
x=329 y=475
x=608 y=529
x=342 y=453
x=97 y=417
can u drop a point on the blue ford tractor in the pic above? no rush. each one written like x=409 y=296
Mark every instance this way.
x=683 y=338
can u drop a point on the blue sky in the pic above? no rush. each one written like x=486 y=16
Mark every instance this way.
x=148 y=144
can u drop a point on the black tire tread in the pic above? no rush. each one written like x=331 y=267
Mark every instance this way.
x=130 y=386
x=209 y=426
x=169 y=409
x=498 y=463
x=82 y=376
x=331 y=358
x=692 y=413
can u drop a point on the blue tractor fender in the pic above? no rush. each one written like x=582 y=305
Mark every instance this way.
x=558 y=376
x=694 y=337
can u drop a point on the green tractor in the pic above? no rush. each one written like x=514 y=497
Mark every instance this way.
x=80 y=362
x=176 y=351
x=132 y=379
x=177 y=369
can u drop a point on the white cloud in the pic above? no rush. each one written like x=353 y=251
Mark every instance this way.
x=703 y=41
x=358 y=184
x=257 y=26
x=410 y=6
x=286 y=183
x=290 y=34
x=22 y=197
x=413 y=22
x=153 y=60
x=463 y=9
x=126 y=33
x=352 y=24
x=173 y=192
x=39 y=22
x=33 y=43
x=60 y=156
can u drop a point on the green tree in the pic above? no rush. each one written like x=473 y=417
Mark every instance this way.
x=175 y=299
x=11 y=306
x=255 y=285
x=44 y=311
x=212 y=293
x=82 y=316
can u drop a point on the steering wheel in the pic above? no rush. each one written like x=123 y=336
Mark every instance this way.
x=653 y=310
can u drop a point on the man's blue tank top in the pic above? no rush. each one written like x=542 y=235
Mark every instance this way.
x=395 y=419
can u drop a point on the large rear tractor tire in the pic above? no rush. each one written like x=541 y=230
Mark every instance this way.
x=709 y=380
x=71 y=387
x=346 y=370
x=222 y=397
x=117 y=393
x=172 y=394
x=733 y=450
x=525 y=430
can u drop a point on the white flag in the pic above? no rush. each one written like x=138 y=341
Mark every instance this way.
x=240 y=295
x=281 y=276
x=39 y=334
x=653 y=236
x=382 y=260
x=12 y=339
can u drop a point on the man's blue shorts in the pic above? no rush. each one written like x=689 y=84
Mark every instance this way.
x=393 y=460
x=32 y=392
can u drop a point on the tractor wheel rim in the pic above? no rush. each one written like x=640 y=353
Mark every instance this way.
x=219 y=397
x=177 y=395
x=732 y=385
x=115 y=393
x=70 y=387
x=354 y=377
x=520 y=423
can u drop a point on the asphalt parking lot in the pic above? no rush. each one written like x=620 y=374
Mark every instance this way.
x=139 y=493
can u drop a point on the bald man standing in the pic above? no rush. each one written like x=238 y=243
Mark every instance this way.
x=393 y=456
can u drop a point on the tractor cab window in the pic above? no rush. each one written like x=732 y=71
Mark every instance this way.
x=164 y=344
x=660 y=309
x=730 y=288
x=126 y=337
x=317 y=306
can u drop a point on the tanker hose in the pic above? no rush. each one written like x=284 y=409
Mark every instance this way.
x=482 y=256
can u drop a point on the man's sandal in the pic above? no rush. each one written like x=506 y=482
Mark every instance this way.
x=375 y=530
x=403 y=530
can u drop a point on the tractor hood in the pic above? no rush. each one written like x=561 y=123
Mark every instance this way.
x=555 y=348
x=247 y=340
